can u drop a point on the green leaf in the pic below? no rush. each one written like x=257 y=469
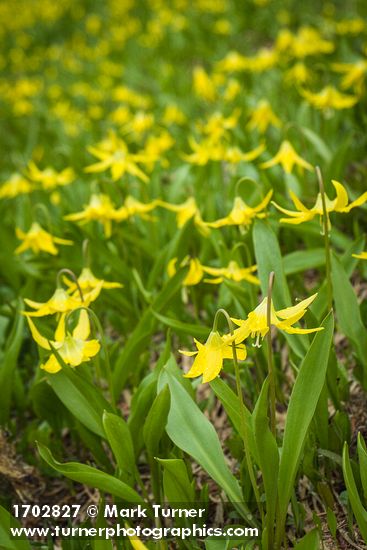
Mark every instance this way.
x=362 y=455
x=302 y=405
x=267 y=451
x=301 y=260
x=192 y=432
x=8 y=364
x=176 y=482
x=358 y=510
x=318 y=143
x=156 y=421
x=82 y=399
x=197 y=331
x=348 y=313
x=7 y=542
x=91 y=476
x=311 y=541
x=120 y=440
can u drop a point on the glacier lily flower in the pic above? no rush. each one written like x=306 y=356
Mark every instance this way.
x=242 y=214
x=74 y=348
x=263 y=116
x=287 y=157
x=62 y=302
x=195 y=273
x=361 y=256
x=184 y=212
x=209 y=356
x=329 y=98
x=100 y=208
x=232 y=272
x=88 y=282
x=38 y=240
x=50 y=178
x=339 y=204
x=284 y=319
x=14 y=186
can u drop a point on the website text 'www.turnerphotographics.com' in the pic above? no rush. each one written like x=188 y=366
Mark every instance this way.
x=156 y=522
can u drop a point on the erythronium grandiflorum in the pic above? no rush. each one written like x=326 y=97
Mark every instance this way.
x=263 y=116
x=62 y=302
x=100 y=208
x=209 y=357
x=361 y=256
x=38 y=240
x=304 y=214
x=73 y=349
x=287 y=157
x=195 y=273
x=132 y=206
x=49 y=178
x=233 y=272
x=184 y=212
x=88 y=282
x=284 y=319
x=14 y=186
x=242 y=214
x=329 y=98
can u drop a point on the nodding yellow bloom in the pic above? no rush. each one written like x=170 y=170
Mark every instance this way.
x=195 y=274
x=339 y=204
x=354 y=74
x=242 y=214
x=203 y=85
x=100 y=208
x=361 y=256
x=287 y=157
x=184 y=212
x=154 y=150
x=173 y=115
x=74 y=348
x=233 y=272
x=14 y=186
x=113 y=154
x=49 y=178
x=298 y=75
x=307 y=41
x=263 y=116
x=329 y=98
x=132 y=207
x=213 y=149
x=256 y=322
x=209 y=357
x=88 y=282
x=350 y=26
x=62 y=302
x=38 y=240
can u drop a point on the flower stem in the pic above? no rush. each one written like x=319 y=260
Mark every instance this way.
x=270 y=355
x=73 y=276
x=245 y=435
x=325 y=219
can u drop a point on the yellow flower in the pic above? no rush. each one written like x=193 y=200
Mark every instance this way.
x=100 y=208
x=88 y=282
x=242 y=213
x=354 y=74
x=209 y=357
x=184 y=212
x=361 y=256
x=195 y=273
x=155 y=148
x=339 y=204
x=329 y=98
x=233 y=272
x=212 y=149
x=113 y=154
x=287 y=157
x=203 y=85
x=62 y=302
x=262 y=117
x=132 y=206
x=74 y=348
x=173 y=115
x=256 y=322
x=49 y=178
x=298 y=74
x=38 y=240
x=14 y=186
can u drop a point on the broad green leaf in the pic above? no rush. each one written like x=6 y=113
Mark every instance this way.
x=301 y=260
x=311 y=541
x=358 y=510
x=192 y=432
x=8 y=364
x=348 y=313
x=318 y=143
x=120 y=440
x=302 y=405
x=140 y=405
x=197 y=331
x=91 y=476
x=7 y=542
x=156 y=421
x=82 y=399
x=267 y=451
x=362 y=455
x=176 y=482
